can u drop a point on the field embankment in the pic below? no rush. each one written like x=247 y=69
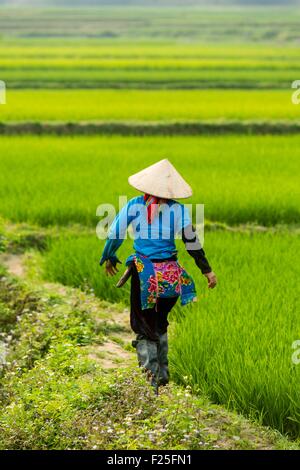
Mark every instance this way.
x=151 y=128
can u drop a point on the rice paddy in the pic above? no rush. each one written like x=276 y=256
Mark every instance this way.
x=24 y=64
x=138 y=105
x=138 y=22
x=50 y=180
x=235 y=344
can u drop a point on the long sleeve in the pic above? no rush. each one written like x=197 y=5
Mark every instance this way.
x=109 y=252
x=117 y=234
x=189 y=236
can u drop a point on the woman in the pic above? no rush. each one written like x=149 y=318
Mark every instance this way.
x=157 y=279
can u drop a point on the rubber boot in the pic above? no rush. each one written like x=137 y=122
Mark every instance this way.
x=147 y=358
x=163 y=362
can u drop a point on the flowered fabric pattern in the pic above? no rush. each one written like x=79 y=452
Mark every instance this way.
x=163 y=279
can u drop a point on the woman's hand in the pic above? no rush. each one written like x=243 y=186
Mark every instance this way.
x=211 y=279
x=110 y=269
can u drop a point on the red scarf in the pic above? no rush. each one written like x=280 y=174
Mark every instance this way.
x=152 y=203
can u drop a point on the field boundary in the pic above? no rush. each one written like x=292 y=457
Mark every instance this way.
x=149 y=85
x=151 y=128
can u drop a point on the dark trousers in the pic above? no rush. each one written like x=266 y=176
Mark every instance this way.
x=152 y=322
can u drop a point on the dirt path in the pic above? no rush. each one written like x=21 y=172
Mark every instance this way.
x=115 y=349
x=13 y=263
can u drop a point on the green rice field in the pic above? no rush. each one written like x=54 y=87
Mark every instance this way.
x=50 y=180
x=235 y=343
x=138 y=105
x=145 y=66
x=139 y=22
x=25 y=64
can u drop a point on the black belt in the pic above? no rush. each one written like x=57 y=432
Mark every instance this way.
x=162 y=260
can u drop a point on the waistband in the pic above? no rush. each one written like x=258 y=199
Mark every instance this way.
x=163 y=260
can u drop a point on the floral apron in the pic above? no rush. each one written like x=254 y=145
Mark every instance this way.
x=162 y=279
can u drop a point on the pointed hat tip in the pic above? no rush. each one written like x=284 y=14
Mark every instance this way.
x=164 y=160
x=161 y=179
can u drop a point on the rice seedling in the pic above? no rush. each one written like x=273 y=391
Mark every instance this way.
x=50 y=180
x=146 y=65
x=148 y=105
x=235 y=343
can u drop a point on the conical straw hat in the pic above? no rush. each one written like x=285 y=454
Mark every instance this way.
x=161 y=180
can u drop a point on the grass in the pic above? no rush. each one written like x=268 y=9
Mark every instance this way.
x=63 y=180
x=88 y=49
x=219 y=24
x=148 y=105
x=31 y=64
x=74 y=261
x=54 y=396
x=235 y=344
x=220 y=77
